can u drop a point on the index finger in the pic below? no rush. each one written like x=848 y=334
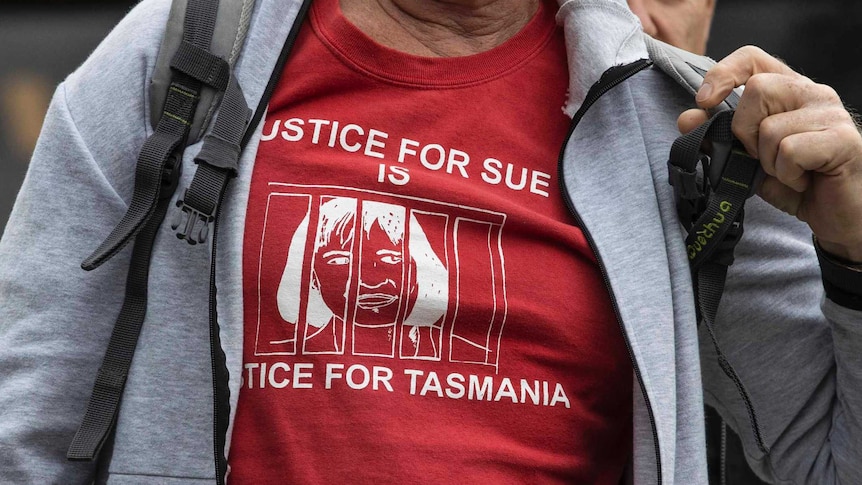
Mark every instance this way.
x=735 y=70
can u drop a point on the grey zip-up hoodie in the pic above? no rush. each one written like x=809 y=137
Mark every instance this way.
x=799 y=354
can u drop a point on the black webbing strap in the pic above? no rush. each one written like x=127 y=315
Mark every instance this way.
x=712 y=200
x=172 y=128
x=156 y=177
x=150 y=172
x=199 y=63
x=217 y=164
x=101 y=414
x=711 y=190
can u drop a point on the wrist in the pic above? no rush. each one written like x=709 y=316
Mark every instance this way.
x=842 y=279
x=848 y=256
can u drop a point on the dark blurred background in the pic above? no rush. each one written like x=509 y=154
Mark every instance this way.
x=41 y=41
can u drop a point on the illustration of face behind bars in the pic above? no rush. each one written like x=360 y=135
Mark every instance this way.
x=373 y=272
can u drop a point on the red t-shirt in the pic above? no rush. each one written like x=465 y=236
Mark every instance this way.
x=419 y=305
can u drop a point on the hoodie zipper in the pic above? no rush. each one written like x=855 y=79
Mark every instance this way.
x=220 y=372
x=610 y=79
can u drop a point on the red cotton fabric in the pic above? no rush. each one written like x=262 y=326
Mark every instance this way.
x=419 y=304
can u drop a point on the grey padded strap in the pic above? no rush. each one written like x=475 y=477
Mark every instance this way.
x=229 y=32
x=685 y=68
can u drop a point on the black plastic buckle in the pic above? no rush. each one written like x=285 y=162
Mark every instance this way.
x=171 y=174
x=689 y=192
x=684 y=183
x=192 y=225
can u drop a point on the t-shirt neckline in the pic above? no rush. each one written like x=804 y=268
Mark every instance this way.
x=360 y=52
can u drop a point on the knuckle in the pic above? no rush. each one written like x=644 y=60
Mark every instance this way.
x=828 y=93
x=757 y=83
x=757 y=89
x=788 y=147
x=770 y=129
x=848 y=133
x=753 y=55
x=751 y=51
x=840 y=116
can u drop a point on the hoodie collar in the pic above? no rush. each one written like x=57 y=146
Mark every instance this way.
x=599 y=34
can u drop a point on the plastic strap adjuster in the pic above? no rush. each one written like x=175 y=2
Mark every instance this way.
x=684 y=182
x=191 y=224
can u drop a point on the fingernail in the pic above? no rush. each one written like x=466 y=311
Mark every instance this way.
x=704 y=92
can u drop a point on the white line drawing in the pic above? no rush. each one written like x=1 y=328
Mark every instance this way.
x=381 y=287
x=422 y=330
x=288 y=344
x=464 y=346
x=364 y=269
x=326 y=304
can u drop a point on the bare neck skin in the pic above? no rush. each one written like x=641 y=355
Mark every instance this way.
x=440 y=28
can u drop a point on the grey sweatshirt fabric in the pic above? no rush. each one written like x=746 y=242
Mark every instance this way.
x=799 y=354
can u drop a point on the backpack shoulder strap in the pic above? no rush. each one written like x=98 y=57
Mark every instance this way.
x=194 y=73
x=229 y=33
x=685 y=68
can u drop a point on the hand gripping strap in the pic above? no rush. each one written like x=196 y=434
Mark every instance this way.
x=729 y=178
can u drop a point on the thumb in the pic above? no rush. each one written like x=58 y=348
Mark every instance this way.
x=691 y=119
